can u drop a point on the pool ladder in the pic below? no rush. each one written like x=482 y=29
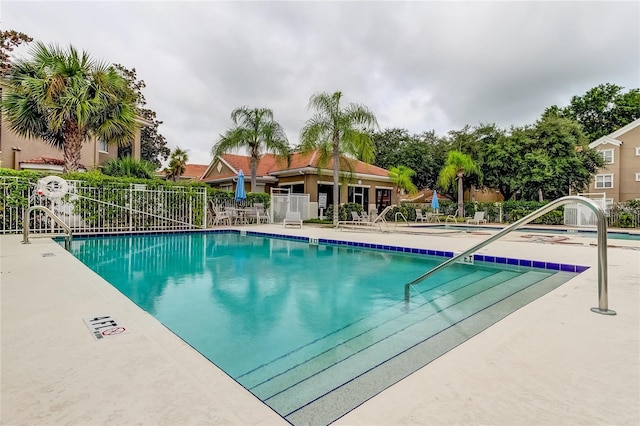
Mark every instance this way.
x=602 y=249
x=25 y=221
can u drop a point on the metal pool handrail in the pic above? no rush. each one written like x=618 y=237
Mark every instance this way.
x=25 y=222
x=602 y=248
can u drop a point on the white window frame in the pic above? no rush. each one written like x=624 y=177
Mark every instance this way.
x=637 y=176
x=103 y=146
x=637 y=150
x=603 y=181
x=604 y=153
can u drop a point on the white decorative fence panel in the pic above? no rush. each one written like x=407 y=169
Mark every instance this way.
x=116 y=208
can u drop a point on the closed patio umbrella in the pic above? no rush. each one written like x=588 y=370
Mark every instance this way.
x=435 y=205
x=240 y=192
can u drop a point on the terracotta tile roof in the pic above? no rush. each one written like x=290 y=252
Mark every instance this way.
x=191 y=171
x=194 y=171
x=269 y=163
x=47 y=160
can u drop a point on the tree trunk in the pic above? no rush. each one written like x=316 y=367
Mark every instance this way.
x=336 y=188
x=72 y=147
x=460 y=196
x=254 y=171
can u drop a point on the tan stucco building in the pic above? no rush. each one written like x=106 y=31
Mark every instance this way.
x=619 y=179
x=360 y=182
x=20 y=153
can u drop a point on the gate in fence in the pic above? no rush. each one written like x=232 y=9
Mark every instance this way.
x=580 y=215
x=283 y=201
x=113 y=208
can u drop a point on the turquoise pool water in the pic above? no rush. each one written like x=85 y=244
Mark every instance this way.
x=614 y=235
x=294 y=322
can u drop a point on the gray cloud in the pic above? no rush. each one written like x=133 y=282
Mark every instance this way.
x=418 y=65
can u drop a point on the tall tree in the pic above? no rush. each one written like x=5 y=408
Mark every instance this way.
x=177 y=164
x=388 y=146
x=457 y=165
x=336 y=132
x=9 y=40
x=424 y=153
x=556 y=158
x=255 y=130
x=601 y=110
x=66 y=97
x=501 y=161
x=153 y=145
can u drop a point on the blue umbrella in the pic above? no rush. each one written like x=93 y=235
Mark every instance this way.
x=434 y=201
x=240 y=192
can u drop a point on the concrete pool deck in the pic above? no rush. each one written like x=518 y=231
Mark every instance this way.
x=551 y=362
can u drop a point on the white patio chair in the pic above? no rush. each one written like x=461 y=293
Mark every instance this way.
x=292 y=219
x=477 y=218
x=356 y=217
x=261 y=213
x=220 y=216
x=234 y=215
x=251 y=214
x=452 y=217
x=433 y=217
x=420 y=217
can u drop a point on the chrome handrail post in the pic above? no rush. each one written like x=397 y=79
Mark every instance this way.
x=602 y=248
x=52 y=215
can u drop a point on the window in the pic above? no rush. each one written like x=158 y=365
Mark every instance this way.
x=383 y=199
x=102 y=146
x=359 y=195
x=637 y=177
x=328 y=190
x=604 y=181
x=296 y=188
x=607 y=155
x=637 y=150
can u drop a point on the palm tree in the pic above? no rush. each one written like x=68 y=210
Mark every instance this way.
x=256 y=130
x=177 y=164
x=401 y=178
x=337 y=132
x=65 y=97
x=456 y=166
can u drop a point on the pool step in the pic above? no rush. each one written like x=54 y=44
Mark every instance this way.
x=323 y=374
x=445 y=284
x=342 y=399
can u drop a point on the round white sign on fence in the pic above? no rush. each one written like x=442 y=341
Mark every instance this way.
x=53 y=187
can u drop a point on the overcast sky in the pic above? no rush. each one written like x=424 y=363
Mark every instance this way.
x=417 y=65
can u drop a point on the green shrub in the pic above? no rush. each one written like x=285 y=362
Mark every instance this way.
x=625 y=220
x=344 y=211
x=129 y=167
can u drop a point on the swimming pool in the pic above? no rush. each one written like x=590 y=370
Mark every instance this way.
x=312 y=330
x=614 y=235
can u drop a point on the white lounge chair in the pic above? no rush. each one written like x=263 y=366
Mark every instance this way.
x=452 y=217
x=357 y=218
x=293 y=219
x=420 y=217
x=477 y=218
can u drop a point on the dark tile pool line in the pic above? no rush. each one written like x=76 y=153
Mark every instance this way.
x=446 y=254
